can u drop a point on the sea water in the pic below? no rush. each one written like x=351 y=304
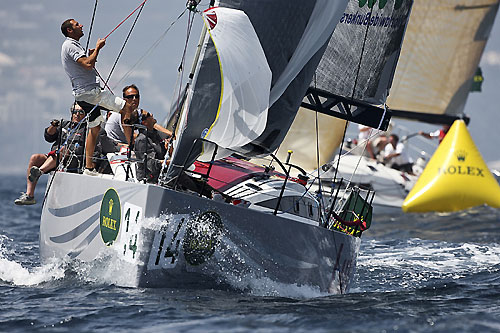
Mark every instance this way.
x=415 y=273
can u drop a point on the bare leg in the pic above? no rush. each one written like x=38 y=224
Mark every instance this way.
x=35 y=160
x=90 y=146
x=49 y=164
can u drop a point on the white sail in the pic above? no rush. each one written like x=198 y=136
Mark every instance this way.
x=303 y=140
x=442 y=47
x=246 y=79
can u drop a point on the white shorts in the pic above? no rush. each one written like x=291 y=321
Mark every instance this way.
x=105 y=99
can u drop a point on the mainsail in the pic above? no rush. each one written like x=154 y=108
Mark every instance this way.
x=292 y=36
x=440 y=55
x=355 y=73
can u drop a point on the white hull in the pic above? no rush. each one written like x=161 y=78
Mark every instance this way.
x=177 y=239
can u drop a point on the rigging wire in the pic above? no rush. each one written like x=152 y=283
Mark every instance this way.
x=141 y=5
x=125 y=42
x=105 y=82
x=149 y=50
x=59 y=167
x=90 y=28
x=320 y=191
x=181 y=67
x=340 y=152
x=180 y=73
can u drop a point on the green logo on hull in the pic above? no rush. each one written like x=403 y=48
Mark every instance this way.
x=110 y=216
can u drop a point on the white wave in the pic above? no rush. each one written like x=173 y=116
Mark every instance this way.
x=14 y=273
x=421 y=261
x=263 y=286
x=107 y=270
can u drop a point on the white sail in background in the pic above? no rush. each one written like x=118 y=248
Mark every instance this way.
x=442 y=47
x=246 y=79
x=302 y=139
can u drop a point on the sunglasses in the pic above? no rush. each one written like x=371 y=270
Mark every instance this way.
x=132 y=96
x=78 y=111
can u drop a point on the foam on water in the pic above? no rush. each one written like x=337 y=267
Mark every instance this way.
x=263 y=286
x=14 y=273
x=413 y=262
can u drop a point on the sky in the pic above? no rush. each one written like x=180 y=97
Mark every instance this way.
x=34 y=88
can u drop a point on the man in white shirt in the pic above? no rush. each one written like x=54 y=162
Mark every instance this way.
x=365 y=135
x=395 y=155
x=86 y=88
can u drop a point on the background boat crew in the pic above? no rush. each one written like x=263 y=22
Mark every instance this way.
x=373 y=146
x=68 y=137
x=438 y=134
x=86 y=88
x=396 y=156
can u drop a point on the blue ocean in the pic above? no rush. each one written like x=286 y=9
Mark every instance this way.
x=415 y=273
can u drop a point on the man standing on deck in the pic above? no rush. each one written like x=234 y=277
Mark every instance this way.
x=86 y=89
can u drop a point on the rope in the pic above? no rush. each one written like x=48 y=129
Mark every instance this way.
x=180 y=70
x=125 y=19
x=150 y=50
x=91 y=26
x=124 y=43
x=105 y=82
x=360 y=157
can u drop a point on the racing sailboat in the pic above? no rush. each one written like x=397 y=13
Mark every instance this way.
x=215 y=217
x=433 y=78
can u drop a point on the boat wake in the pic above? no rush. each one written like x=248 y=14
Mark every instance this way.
x=264 y=287
x=414 y=263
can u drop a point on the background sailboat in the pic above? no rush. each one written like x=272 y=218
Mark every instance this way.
x=439 y=58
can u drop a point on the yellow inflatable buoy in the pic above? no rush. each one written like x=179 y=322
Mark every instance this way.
x=455 y=178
